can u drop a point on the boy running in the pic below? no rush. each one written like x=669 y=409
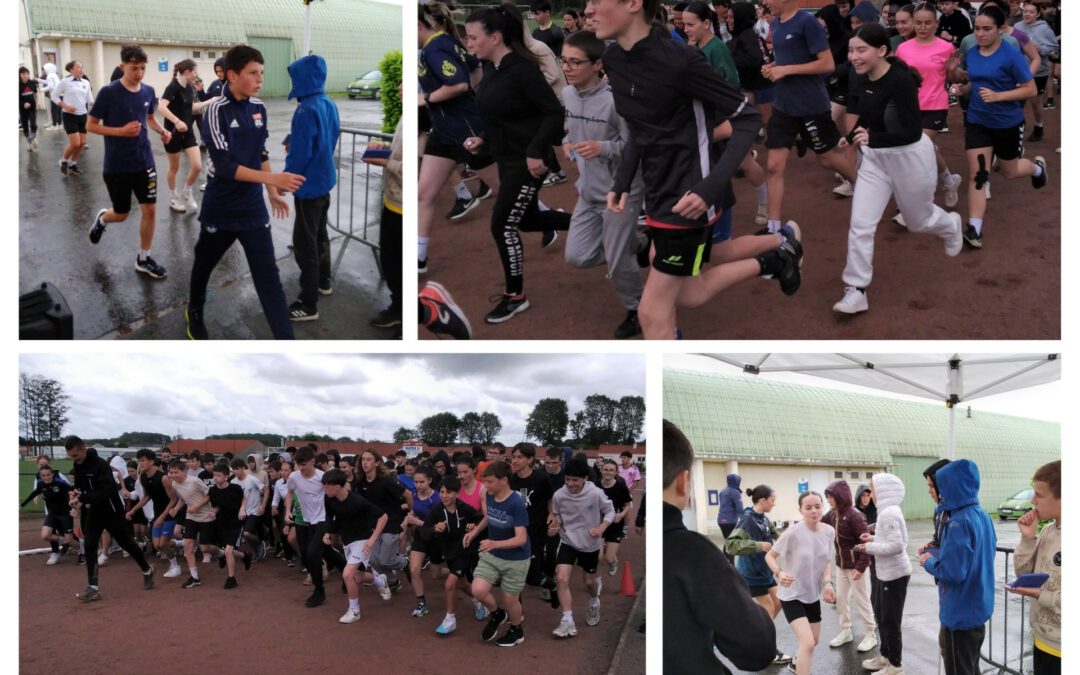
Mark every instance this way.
x=535 y=490
x=233 y=208
x=445 y=527
x=306 y=483
x=157 y=489
x=122 y=112
x=227 y=500
x=58 y=522
x=199 y=522
x=576 y=507
x=255 y=497
x=359 y=523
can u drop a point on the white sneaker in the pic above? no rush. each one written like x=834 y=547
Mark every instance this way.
x=853 y=302
x=448 y=625
x=202 y=188
x=890 y=670
x=845 y=635
x=954 y=242
x=384 y=588
x=350 y=616
x=613 y=569
x=868 y=642
x=53 y=559
x=173 y=571
x=876 y=663
x=952 y=189
x=593 y=616
x=762 y=217
x=102 y=560
x=192 y=205
x=565 y=629
x=899 y=220
x=844 y=189
x=177 y=205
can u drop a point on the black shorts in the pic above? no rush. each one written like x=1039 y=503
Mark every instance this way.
x=935 y=120
x=462 y=566
x=181 y=140
x=1008 y=143
x=230 y=533
x=203 y=533
x=251 y=524
x=819 y=132
x=681 y=252
x=423 y=118
x=121 y=185
x=615 y=533
x=758 y=591
x=1040 y=84
x=61 y=523
x=139 y=518
x=794 y=609
x=437 y=147
x=74 y=124
x=568 y=555
x=433 y=549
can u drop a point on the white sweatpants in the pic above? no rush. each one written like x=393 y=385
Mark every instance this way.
x=597 y=236
x=910 y=173
x=861 y=590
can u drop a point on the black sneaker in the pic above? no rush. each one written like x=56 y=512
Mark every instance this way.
x=508 y=306
x=395 y=585
x=230 y=583
x=549 y=237
x=1036 y=134
x=444 y=316
x=247 y=561
x=791 y=252
x=81 y=560
x=298 y=311
x=781 y=658
x=64 y=167
x=74 y=170
x=221 y=561
x=629 y=326
x=514 y=636
x=149 y=267
x=554 y=179
x=497 y=619
x=1049 y=105
x=388 y=318
x=97 y=228
x=421 y=266
x=315 y=599
x=196 y=329
x=191 y=582
x=1039 y=181
x=461 y=207
x=972 y=239
x=484 y=192
x=148 y=579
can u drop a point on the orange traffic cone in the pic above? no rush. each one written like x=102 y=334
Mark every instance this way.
x=627 y=586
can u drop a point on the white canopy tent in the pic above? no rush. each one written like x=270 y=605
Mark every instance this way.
x=952 y=379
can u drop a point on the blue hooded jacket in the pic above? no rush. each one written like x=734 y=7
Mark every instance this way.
x=730 y=501
x=315 y=128
x=753 y=568
x=964 y=566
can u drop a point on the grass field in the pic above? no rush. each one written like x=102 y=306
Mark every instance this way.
x=27 y=474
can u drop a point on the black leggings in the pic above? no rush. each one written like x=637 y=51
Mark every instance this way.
x=888 y=613
x=28 y=121
x=515 y=211
x=93 y=527
x=1045 y=664
x=390 y=255
x=313 y=552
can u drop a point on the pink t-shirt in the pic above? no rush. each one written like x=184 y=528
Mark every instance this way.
x=929 y=60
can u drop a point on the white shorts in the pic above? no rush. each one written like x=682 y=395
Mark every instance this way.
x=354 y=553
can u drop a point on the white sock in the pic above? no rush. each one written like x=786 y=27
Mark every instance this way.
x=461 y=191
x=421 y=245
x=762 y=194
x=945 y=176
x=976 y=223
x=194 y=573
x=354 y=604
x=594 y=602
x=380 y=581
x=568 y=616
x=542 y=206
x=1038 y=170
x=143 y=254
x=450 y=617
x=476 y=603
x=774 y=226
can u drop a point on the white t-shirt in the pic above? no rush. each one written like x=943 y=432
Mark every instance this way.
x=280 y=490
x=803 y=555
x=252 y=493
x=311 y=494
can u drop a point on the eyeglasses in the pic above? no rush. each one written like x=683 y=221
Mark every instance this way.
x=573 y=63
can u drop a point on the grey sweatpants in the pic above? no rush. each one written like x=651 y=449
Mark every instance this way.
x=598 y=236
x=385 y=557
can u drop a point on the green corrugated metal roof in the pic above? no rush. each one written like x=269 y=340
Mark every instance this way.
x=745 y=418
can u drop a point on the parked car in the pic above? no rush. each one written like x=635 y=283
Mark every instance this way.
x=367 y=86
x=1017 y=505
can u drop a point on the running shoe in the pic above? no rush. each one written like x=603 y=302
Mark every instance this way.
x=149 y=267
x=53 y=558
x=791 y=664
x=316 y=598
x=421 y=266
x=298 y=311
x=629 y=326
x=350 y=616
x=781 y=658
x=426 y=565
x=468 y=174
x=508 y=306
x=791 y=252
x=384 y=588
x=221 y=561
x=1049 y=105
x=954 y=242
x=1039 y=181
x=196 y=329
x=64 y=549
x=173 y=571
x=484 y=192
x=876 y=663
x=545 y=594
x=844 y=189
x=462 y=207
x=388 y=318
x=74 y=170
x=868 y=642
x=642 y=219
x=565 y=629
x=593 y=617
x=247 y=561
x=230 y=583
x=91 y=594
x=421 y=609
x=853 y=302
x=515 y=635
x=448 y=625
x=762 y=216
x=972 y=238
x=102 y=560
x=189 y=200
x=177 y=205
x=97 y=228
x=497 y=619
x=549 y=237
x=1036 y=134
x=290 y=563
x=148 y=579
x=554 y=178
x=444 y=316
x=191 y=582
x=952 y=189
x=480 y=612
x=202 y=188
x=613 y=569
x=81 y=560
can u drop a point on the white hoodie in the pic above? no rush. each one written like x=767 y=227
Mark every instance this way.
x=51 y=79
x=889 y=547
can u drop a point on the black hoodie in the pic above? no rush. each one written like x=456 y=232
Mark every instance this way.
x=522 y=118
x=748 y=49
x=96 y=484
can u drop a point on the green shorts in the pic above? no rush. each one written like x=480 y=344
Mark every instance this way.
x=506 y=574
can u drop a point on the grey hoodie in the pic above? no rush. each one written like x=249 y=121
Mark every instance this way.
x=580 y=513
x=591 y=116
x=1043 y=36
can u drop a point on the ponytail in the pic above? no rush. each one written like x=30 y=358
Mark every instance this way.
x=898 y=62
x=507 y=21
x=182 y=67
x=705 y=13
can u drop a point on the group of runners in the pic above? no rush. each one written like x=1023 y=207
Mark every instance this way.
x=659 y=108
x=234 y=126
x=485 y=522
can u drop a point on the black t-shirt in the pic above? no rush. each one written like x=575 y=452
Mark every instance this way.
x=386 y=493
x=227 y=501
x=557 y=480
x=888 y=108
x=354 y=518
x=617 y=493
x=180 y=100
x=207 y=477
x=536 y=492
x=155 y=489
x=553 y=37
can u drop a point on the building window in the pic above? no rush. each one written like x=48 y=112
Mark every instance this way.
x=854 y=475
x=869 y=475
x=196 y=54
x=838 y=474
x=211 y=55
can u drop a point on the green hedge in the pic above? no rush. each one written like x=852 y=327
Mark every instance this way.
x=391 y=90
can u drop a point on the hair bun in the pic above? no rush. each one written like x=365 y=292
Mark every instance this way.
x=749 y=492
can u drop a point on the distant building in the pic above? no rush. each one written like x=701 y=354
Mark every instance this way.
x=239 y=447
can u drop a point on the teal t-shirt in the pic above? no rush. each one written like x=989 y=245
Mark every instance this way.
x=719 y=57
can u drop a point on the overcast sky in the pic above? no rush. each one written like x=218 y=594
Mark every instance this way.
x=365 y=396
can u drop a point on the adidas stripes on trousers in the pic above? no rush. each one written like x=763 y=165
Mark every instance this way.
x=908 y=173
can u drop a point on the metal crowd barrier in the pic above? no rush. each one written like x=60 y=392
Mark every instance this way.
x=1003 y=666
x=360 y=221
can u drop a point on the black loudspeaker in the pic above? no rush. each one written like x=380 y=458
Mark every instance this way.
x=44 y=315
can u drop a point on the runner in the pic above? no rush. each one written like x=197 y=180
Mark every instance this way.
x=553 y=459
x=157 y=490
x=199 y=521
x=535 y=490
x=445 y=528
x=306 y=485
x=122 y=112
x=423 y=501
x=58 y=523
x=375 y=483
x=359 y=524
x=227 y=500
x=256 y=494
x=1042 y=36
x=28 y=88
x=617 y=493
x=905 y=26
x=177 y=105
x=77 y=100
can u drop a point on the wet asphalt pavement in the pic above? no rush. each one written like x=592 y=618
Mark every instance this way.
x=110 y=300
x=920 y=624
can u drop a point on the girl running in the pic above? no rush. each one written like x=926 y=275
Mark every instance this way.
x=615 y=490
x=178 y=104
x=749 y=542
x=523 y=120
x=1042 y=36
x=801 y=561
x=472 y=491
x=905 y=27
x=424 y=499
x=1000 y=81
x=897 y=161
x=78 y=99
